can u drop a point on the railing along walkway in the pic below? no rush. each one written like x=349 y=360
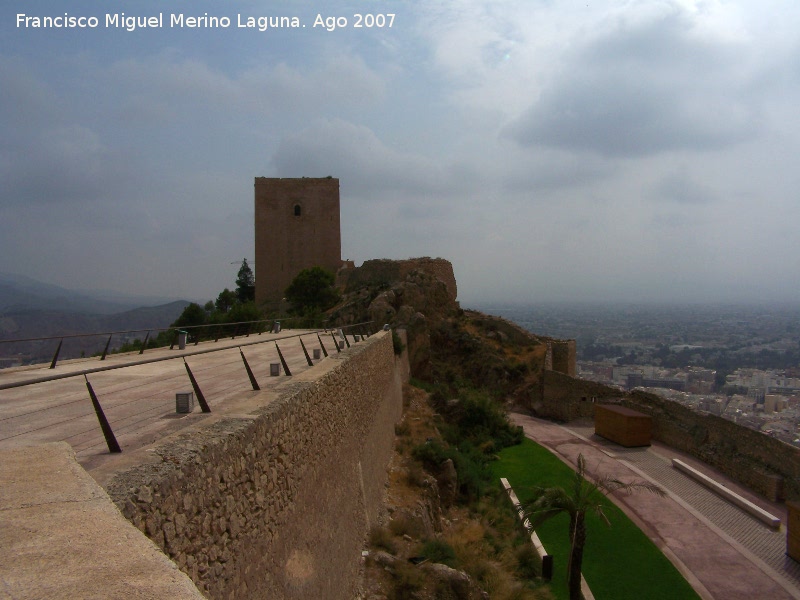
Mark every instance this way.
x=130 y=398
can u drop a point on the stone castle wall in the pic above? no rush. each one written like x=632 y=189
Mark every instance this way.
x=297 y=226
x=565 y=357
x=277 y=503
x=383 y=272
x=764 y=464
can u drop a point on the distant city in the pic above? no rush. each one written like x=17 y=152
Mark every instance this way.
x=738 y=362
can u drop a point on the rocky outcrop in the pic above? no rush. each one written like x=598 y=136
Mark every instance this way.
x=452 y=583
x=383 y=272
x=406 y=294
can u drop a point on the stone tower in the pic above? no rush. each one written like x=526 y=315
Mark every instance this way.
x=297 y=227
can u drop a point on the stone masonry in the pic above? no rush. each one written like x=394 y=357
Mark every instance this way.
x=277 y=503
x=296 y=227
x=763 y=464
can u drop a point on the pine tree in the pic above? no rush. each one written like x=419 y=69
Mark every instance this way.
x=245 y=283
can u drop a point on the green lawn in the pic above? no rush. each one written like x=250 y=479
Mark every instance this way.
x=620 y=562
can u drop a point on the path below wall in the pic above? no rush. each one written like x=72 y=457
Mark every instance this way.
x=704 y=549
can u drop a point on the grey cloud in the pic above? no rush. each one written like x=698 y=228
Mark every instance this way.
x=354 y=154
x=679 y=187
x=545 y=170
x=47 y=154
x=60 y=165
x=644 y=89
x=163 y=87
x=671 y=222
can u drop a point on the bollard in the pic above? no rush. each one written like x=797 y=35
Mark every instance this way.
x=184 y=402
x=547 y=567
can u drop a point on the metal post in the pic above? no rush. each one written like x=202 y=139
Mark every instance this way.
x=335 y=342
x=201 y=400
x=308 y=358
x=252 y=377
x=344 y=335
x=321 y=345
x=547 y=567
x=283 y=361
x=144 y=343
x=55 y=356
x=111 y=441
x=105 y=350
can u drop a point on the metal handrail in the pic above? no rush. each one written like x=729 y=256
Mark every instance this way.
x=218 y=327
x=104 y=333
x=105 y=426
x=137 y=363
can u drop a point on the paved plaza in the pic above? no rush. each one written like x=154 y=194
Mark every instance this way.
x=137 y=393
x=723 y=551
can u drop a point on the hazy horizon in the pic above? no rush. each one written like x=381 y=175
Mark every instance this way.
x=609 y=152
x=498 y=306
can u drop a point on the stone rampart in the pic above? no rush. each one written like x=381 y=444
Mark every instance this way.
x=379 y=273
x=764 y=464
x=276 y=503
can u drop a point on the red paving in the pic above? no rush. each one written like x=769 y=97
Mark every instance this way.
x=712 y=561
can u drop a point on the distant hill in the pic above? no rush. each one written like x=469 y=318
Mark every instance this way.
x=25 y=324
x=19 y=292
x=32 y=309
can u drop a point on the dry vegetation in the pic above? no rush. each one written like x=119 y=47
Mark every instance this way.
x=431 y=544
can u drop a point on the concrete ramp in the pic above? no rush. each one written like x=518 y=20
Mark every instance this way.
x=61 y=536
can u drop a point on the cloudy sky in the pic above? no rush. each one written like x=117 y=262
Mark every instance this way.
x=551 y=150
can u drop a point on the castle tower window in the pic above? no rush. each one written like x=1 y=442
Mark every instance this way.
x=297 y=210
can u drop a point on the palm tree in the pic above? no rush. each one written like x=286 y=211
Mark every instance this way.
x=586 y=495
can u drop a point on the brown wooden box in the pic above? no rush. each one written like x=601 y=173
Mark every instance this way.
x=623 y=426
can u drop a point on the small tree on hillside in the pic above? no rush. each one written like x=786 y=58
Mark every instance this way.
x=225 y=301
x=312 y=290
x=245 y=283
x=584 y=496
x=192 y=315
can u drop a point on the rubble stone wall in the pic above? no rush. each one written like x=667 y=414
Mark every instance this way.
x=765 y=465
x=383 y=272
x=277 y=503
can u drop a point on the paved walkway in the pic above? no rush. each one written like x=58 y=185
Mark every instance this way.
x=139 y=400
x=723 y=552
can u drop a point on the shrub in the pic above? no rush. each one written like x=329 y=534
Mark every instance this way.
x=407 y=581
x=471 y=465
x=439 y=551
x=480 y=419
x=432 y=454
x=528 y=562
x=397 y=343
x=380 y=537
x=415 y=475
x=423 y=385
x=405 y=524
